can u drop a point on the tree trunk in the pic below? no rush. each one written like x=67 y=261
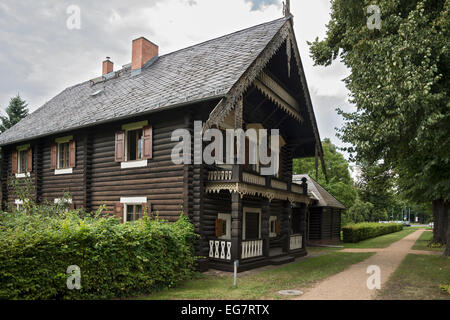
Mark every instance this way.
x=440 y=214
x=447 y=250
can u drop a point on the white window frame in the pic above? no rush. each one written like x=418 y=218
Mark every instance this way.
x=226 y=217
x=132 y=201
x=62 y=171
x=272 y=219
x=251 y=210
x=26 y=173
x=127 y=164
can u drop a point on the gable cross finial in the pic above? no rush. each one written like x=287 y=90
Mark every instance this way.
x=287 y=8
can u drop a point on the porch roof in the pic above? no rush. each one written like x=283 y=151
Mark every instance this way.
x=325 y=198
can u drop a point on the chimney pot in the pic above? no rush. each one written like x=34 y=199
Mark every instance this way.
x=142 y=52
x=108 y=66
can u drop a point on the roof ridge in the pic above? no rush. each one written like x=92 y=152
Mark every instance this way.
x=226 y=35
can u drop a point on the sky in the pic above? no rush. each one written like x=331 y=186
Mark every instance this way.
x=46 y=48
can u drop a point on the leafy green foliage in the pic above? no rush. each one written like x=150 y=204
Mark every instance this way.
x=361 y=231
x=359 y=212
x=400 y=85
x=116 y=260
x=16 y=111
x=340 y=183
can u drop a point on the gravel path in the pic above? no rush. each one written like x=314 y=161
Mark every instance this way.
x=351 y=284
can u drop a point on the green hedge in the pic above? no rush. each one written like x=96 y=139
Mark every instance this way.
x=116 y=260
x=361 y=231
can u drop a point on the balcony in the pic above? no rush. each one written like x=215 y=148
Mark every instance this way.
x=236 y=179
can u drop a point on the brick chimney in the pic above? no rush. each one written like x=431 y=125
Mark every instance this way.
x=108 y=66
x=143 y=51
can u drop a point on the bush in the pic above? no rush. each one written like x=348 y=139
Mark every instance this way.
x=361 y=231
x=116 y=260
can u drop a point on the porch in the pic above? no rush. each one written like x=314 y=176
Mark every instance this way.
x=259 y=220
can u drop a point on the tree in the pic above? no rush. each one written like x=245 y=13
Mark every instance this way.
x=16 y=111
x=399 y=82
x=359 y=212
x=340 y=183
x=376 y=185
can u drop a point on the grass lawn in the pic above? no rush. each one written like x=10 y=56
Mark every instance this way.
x=424 y=240
x=418 y=278
x=382 y=241
x=265 y=284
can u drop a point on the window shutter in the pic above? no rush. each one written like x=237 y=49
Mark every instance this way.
x=53 y=156
x=219 y=228
x=30 y=160
x=118 y=211
x=14 y=162
x=148 y=142
x=72 y=154
x=120 y=146
x=277 y=227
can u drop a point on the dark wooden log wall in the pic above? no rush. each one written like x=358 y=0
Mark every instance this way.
x=162 y=182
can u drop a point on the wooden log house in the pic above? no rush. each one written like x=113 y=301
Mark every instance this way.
x=107 y=141
x=324 y=214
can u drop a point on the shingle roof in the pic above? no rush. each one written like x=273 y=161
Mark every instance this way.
x=203 y=71
x=325 y=198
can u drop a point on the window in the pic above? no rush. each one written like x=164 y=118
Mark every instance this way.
x=133 y=208
x=296 y=223
x=63 y=155
x=223 y=226
x=274 y=227
x=252 y=224
x=133 y=212
x=23 y=161
x=134 y=145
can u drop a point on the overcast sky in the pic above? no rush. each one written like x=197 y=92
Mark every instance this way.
x=40 y=55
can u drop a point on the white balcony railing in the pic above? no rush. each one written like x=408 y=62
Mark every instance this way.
x=296 y=242
x=251 y=249
x=220 y=175
x=220 y=249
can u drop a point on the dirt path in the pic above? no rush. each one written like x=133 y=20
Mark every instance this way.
x=351 y=284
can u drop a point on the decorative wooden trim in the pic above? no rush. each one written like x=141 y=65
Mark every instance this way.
x=236 y=92
x=244 y=189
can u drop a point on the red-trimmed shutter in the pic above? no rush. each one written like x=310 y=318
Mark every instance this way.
x=72 y=154
x=148 y=142
x=14 y=162
x=53 y=156
x=30 y=160
x=120 y=146
x=118 y=211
